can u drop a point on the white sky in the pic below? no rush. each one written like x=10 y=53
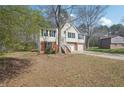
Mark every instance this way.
x=105 y=21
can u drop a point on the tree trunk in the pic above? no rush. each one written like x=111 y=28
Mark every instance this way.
x=59 y=30
x=88 y=42
x=59 y=41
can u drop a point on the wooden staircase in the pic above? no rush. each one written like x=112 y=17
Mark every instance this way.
x=66 y=49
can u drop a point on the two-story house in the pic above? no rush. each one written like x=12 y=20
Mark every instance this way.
x=71 y=39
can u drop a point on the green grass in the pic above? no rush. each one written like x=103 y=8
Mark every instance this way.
x=2 y=53
x=120 y=50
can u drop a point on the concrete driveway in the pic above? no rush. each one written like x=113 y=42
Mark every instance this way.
x=105 y=55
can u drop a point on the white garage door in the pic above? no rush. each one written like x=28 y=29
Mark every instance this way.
x=72 y=47
x=80 y=47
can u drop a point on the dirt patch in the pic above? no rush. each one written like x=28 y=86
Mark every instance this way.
x=10 y=67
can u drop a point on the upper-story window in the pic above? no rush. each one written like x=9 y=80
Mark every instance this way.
x=41 y=32
x=46 y=33
x=71 y=35
x=52 y=33
x=80 y=36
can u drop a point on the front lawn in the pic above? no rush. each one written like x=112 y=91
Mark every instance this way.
x=121 y=50
x=67 y=71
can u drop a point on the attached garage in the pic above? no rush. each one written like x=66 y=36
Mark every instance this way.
x=80 y=47
x=76 y=46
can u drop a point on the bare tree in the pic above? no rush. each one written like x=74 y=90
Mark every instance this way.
x=59 y=15
x=89 y=16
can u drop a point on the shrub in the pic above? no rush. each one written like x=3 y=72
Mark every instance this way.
x=49 y=51
x=24 y=46
x=52 y=51
x=1 y=53
x=34 y=50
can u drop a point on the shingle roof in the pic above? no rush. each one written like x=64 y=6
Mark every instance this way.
x=105 y=37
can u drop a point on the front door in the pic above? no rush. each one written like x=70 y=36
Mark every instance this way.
x=48 y=45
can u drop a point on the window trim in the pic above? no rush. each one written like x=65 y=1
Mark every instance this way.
x=71 y=35
x=52 y=33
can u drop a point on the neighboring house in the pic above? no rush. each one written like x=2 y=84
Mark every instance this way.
x=111 y=42
x=71 y=39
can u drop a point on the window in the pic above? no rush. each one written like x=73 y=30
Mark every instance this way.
x=80 y=36
x=71 y=35
x=48 y=45
x=52 y=33
x=46 y=33
x=42 y=32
